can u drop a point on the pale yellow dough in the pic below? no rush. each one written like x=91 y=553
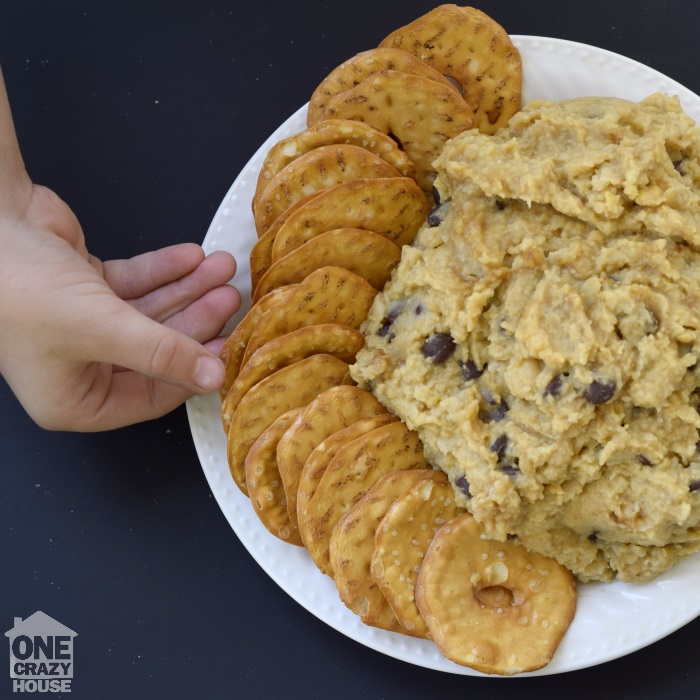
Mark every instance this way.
x=562 y=274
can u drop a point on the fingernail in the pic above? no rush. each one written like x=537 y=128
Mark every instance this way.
x=209 y=373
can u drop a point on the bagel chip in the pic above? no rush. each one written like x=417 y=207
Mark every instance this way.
x=329 y=412
x=392 y=207
x=290 y=387
x=330 y=338
x=327 y=295
x=365 y=253
x=352 y=545
x=401 y=541
x=335 y=131
x=362 y=65
x=493 y=606
x=261 y=252
x=354 y=469
x=234 y=347
x=321 y=456
x=385 y=99
x=316 y=170
x=470 y=47
x=264 y=484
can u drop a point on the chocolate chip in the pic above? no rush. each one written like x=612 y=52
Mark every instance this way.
x=553 y=389
x=599 y=392
x=644 y=460
x=593 y=537
x=697 y=446
x=463 y=484
x=495 y=412
x=500 y=205
x=438 y=347
x=392 y=313
x=500 y=411
x=437 y=214
x=419 y=309
x=694 y=486
x=394 y=309
x=511 y=536
x=384 y=329
x=436 y=195
x=510 y=470
x=499 y=446
x=470 y=370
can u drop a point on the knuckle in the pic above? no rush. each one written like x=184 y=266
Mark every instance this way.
x=164 y=357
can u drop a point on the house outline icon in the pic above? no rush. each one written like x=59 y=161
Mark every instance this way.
x=39 y=625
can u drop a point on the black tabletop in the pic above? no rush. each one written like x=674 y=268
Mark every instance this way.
x=140 y=114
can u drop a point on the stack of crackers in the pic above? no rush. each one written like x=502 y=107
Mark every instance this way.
x=325 y=465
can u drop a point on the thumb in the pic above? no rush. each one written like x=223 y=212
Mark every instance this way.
x=136 y=342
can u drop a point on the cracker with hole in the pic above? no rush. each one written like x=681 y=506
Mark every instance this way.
x=335 y=131
x=330 y=338
x=493 y=606
x=321 y=456
x=364 y=253
x=352 y=546
x=401 y=541
x=328 y=295
x=329 y=412
x=234 y=347
x=290 y=387
x=471 y=48
x=361 y=66
x=420 y=114
x=354 y=469
x=316 y=170
x=264 y=484
x=394 y=207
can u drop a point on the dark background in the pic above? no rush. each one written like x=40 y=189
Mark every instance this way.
x=140 y=114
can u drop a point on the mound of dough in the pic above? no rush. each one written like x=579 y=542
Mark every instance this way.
x=542 y=334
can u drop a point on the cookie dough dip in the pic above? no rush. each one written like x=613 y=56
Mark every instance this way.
x=542 y=334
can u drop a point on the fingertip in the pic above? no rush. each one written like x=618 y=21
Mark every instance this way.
x=209 y=373
x=224 y=261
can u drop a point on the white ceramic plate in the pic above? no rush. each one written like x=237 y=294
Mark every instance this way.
x=612 y=619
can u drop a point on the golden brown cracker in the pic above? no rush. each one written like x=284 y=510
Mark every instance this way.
x=234 y=347
x=493 y=606
x=362 y=65
x=470 y=47
x=321 y=456
x=288 y=388
x=365 y=253
x=328 y=295
x=401 y=541
x=385 y=99
x=354 y=469
x=392 y=207
x=261 y=253
x=264 y=483
x=335 y=131
x=329 y=412
x=316 y=170
x=352 y=546
x=330 y=338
